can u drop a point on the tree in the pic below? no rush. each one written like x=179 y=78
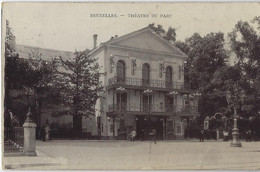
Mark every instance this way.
x=80 y=86
x=27 y=81
x=245 y=43
x=206 y=57
x=169 y=35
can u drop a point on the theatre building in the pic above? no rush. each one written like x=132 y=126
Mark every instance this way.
x=144 y=87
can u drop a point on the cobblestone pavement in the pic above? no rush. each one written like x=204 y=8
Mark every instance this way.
x=147 y=155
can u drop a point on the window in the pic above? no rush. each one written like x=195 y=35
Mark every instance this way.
x=168 y=77
x=146 y=74
x=120 y=71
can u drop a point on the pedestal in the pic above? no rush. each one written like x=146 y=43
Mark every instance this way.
x=29 y=138
x=235 y=142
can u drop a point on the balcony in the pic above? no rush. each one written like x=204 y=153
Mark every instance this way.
x=136 y=108
x=144 y=83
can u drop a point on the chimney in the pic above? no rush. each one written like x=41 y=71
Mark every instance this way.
x=95 y=41
x=116 y=36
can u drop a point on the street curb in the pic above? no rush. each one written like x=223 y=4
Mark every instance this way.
x=19 y=166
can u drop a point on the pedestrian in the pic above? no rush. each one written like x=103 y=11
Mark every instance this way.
x=248 y=136
x=225 y=133
x=133 y=134
x=47 y=130
x=142 y=134
x=202 y=136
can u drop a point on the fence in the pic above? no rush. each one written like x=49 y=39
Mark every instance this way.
x=14 y=139
x=19 y=136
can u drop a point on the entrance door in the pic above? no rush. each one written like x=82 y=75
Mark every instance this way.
x=146 y=123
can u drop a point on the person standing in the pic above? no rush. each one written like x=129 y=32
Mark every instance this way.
x=202 y=136
x=133 y=134
x=47 y=130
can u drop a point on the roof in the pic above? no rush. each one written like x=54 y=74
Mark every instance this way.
x=115 y=40
x=46 y=54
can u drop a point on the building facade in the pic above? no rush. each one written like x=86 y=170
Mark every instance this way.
x=144 y=87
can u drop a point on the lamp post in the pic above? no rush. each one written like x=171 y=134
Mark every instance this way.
x=233 y=97
x=197 y=95
x=148 y=92
x=120 y=90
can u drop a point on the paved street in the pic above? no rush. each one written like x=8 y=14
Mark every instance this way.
x=75 y=154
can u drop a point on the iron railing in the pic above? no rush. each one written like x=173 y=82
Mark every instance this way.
x=14 y=139
x=19 y=136
x=145 y=83
x=145 y=107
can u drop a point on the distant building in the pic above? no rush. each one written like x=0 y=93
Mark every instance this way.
x=144 y=87
x=35 y=55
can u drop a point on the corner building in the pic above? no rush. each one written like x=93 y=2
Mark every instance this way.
x=143 y=87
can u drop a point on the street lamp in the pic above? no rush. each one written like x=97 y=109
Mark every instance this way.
x=233 y=97
x=120 y=90
x=148 y=92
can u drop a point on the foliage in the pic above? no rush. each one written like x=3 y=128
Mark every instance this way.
x=206 y=57
x=28 y=82
x=79 y=84
x=245 y=43
x=169 y=35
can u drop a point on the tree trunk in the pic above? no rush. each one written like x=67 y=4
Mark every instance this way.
x=77 y=125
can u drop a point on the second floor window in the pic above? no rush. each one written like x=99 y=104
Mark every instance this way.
x=146 y=74
x=168 y=77
x=120 y=71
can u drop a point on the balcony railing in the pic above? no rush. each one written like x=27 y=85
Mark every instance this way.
x=144 y=107
x=145 y=83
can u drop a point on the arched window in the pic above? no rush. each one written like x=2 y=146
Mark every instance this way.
x=168 y=77
x=120 y=71
x=146 y=74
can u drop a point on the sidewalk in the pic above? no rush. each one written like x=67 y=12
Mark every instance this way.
x=39 y=161
x=119 y=155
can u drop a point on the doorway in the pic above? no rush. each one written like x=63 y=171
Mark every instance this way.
x=145 y=124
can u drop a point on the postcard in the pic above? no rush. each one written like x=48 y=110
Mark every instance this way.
x=130 y=85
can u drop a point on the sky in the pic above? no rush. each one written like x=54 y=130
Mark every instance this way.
x=68 y=26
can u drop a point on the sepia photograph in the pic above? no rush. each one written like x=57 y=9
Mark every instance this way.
x=130 y=86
